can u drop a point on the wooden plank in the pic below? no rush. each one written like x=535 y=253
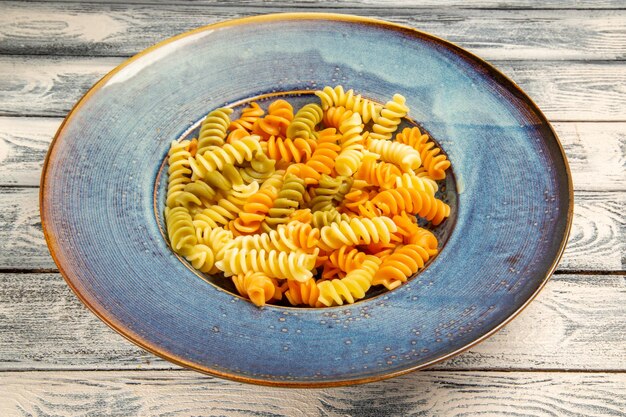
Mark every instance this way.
x=51 y=84
x=596 y=152
x=123 y=30
x=596 y=242
x=565 y=91
x=423 y=393
x=598 y=233
x=576 y=323
x=570 y=91
x=24 y=142
x=385 y=4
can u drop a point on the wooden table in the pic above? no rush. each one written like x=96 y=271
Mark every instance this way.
x=564 y=355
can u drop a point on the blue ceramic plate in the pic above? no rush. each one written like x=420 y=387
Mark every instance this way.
x=100 y=201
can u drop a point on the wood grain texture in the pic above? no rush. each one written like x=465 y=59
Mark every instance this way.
x=597 y=240
x=598 y=233
x=385 y=4
x=47 y=86
x=576 y=323
x=24 y=142
x=418 y=394
x=596 y=152
x=123 y=30
x=565 y=91
x=563 y=356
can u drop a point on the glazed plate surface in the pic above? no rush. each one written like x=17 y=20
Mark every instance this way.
x=101 y=206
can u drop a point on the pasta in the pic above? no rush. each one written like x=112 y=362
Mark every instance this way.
x=397 y=267
x=337 y=97
x=304 y=122
x=434 y=163
x=179 y=172
x=310 y=207
x=257 y=286
x=350 y=288
x=276 y=264
x=213 y=129
x=248 y=118
x=351 y=154
x=389 y=118
x=357 y=231
x=216 y=157
x=404 y=156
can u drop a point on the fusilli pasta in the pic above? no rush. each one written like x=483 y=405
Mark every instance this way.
x=311 y=208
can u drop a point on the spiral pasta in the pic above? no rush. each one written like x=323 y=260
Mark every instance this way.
x=286 y=149
x=349 y=159
x=419 y=183
x=304 y=122
x=180 y=230
x=335 y=116
x=291 y=237
x=261 y=167
x=213 y=129
x=258 y=205
x=216 y=157
x=248 y=117
x=434 y=162
x=325 y=193
x=278 y=119
x=179 y=171
x=322 y=160
x=306 y=293
x=217 y=215
x=287 y=201
x=346 y=258
x=257 y=286
x=391 y=202
x=311 y=208
x=350 y=288
x=390 y=117
x=337 y=97
x=400 y=265
x=201 y=257
x=276 y=264
x=357 y=231
x=328 y=217
x=404 y=156
x=378 y=173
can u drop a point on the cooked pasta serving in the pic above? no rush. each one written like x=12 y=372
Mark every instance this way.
x=310 y=207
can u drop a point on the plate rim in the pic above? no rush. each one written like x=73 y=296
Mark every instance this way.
x=272 y=17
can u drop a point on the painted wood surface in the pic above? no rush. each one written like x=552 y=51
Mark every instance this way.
x=123 y=30
x=564 y=90
x=596 y=151
x=564 y=355
x=388 y=4
x=596 y=242
x=169 y=393
x=576 y=323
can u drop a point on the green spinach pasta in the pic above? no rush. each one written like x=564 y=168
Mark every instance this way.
x=311 y=208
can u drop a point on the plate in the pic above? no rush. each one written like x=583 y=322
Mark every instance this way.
x=101 y=206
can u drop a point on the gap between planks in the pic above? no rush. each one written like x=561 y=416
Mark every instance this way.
x=122 y=30
x=508 y=5
x=420 y=393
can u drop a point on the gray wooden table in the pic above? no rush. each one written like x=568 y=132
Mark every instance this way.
x=564 y=355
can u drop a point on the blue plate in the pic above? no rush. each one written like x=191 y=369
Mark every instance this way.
x=100 y=200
